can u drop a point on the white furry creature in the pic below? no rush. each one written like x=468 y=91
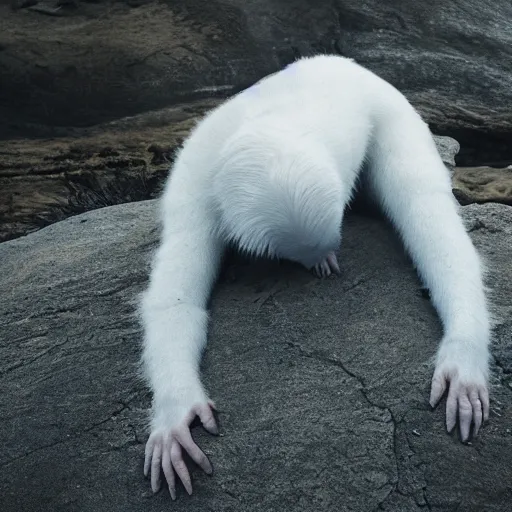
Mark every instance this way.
x=271 y=170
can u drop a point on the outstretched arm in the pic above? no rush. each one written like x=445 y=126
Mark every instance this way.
x=175 y=327
x=413 y=186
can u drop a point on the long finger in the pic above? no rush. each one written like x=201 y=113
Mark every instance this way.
x=147 y=457
x=438 y=387
x=169 y=473
x=207 y=418
x=451 y=409
x=155 y=467
x=196 y=454
x=333 y=262
x=465 y=415
x=180 y=467
x=477 y=411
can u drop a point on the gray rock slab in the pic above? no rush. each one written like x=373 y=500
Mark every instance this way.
x=322 y=386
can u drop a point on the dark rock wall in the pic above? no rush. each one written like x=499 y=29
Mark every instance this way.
x=99 y=61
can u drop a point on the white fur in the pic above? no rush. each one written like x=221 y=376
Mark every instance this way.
x=272 y=170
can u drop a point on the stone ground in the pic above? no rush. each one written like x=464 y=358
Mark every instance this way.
x=322 y=386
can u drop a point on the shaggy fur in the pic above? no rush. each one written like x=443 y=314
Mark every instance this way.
x=271 y=170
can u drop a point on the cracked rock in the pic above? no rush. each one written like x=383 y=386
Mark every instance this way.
x=322 y=389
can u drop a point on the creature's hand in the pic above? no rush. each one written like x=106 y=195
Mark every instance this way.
x=327 y=266
x=465 y=369
x=164 y=449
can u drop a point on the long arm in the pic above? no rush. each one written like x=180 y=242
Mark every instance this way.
x=175 y=324
x=413 y=187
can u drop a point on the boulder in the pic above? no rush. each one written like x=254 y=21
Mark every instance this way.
x=91 y=62
x=322 y=386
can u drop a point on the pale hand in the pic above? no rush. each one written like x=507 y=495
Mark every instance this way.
x=164 y=449
x=327 y=266
x=464 y=370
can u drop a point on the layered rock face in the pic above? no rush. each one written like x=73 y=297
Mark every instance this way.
x=100 y=61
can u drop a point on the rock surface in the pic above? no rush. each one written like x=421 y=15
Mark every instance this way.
x=483 y=185
x=92 y=62
x=322 y=386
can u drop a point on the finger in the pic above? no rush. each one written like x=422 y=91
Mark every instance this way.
x=465 y=415
x=180 y=467
x=211 y=403
x=484 y=398
x=169 y=473
x=147 y=457
x=196 y=454
x=333 y=263
x=477 y=411
x=207 y=418
x=155 y=466
x=437 y=389
x=451 y=409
